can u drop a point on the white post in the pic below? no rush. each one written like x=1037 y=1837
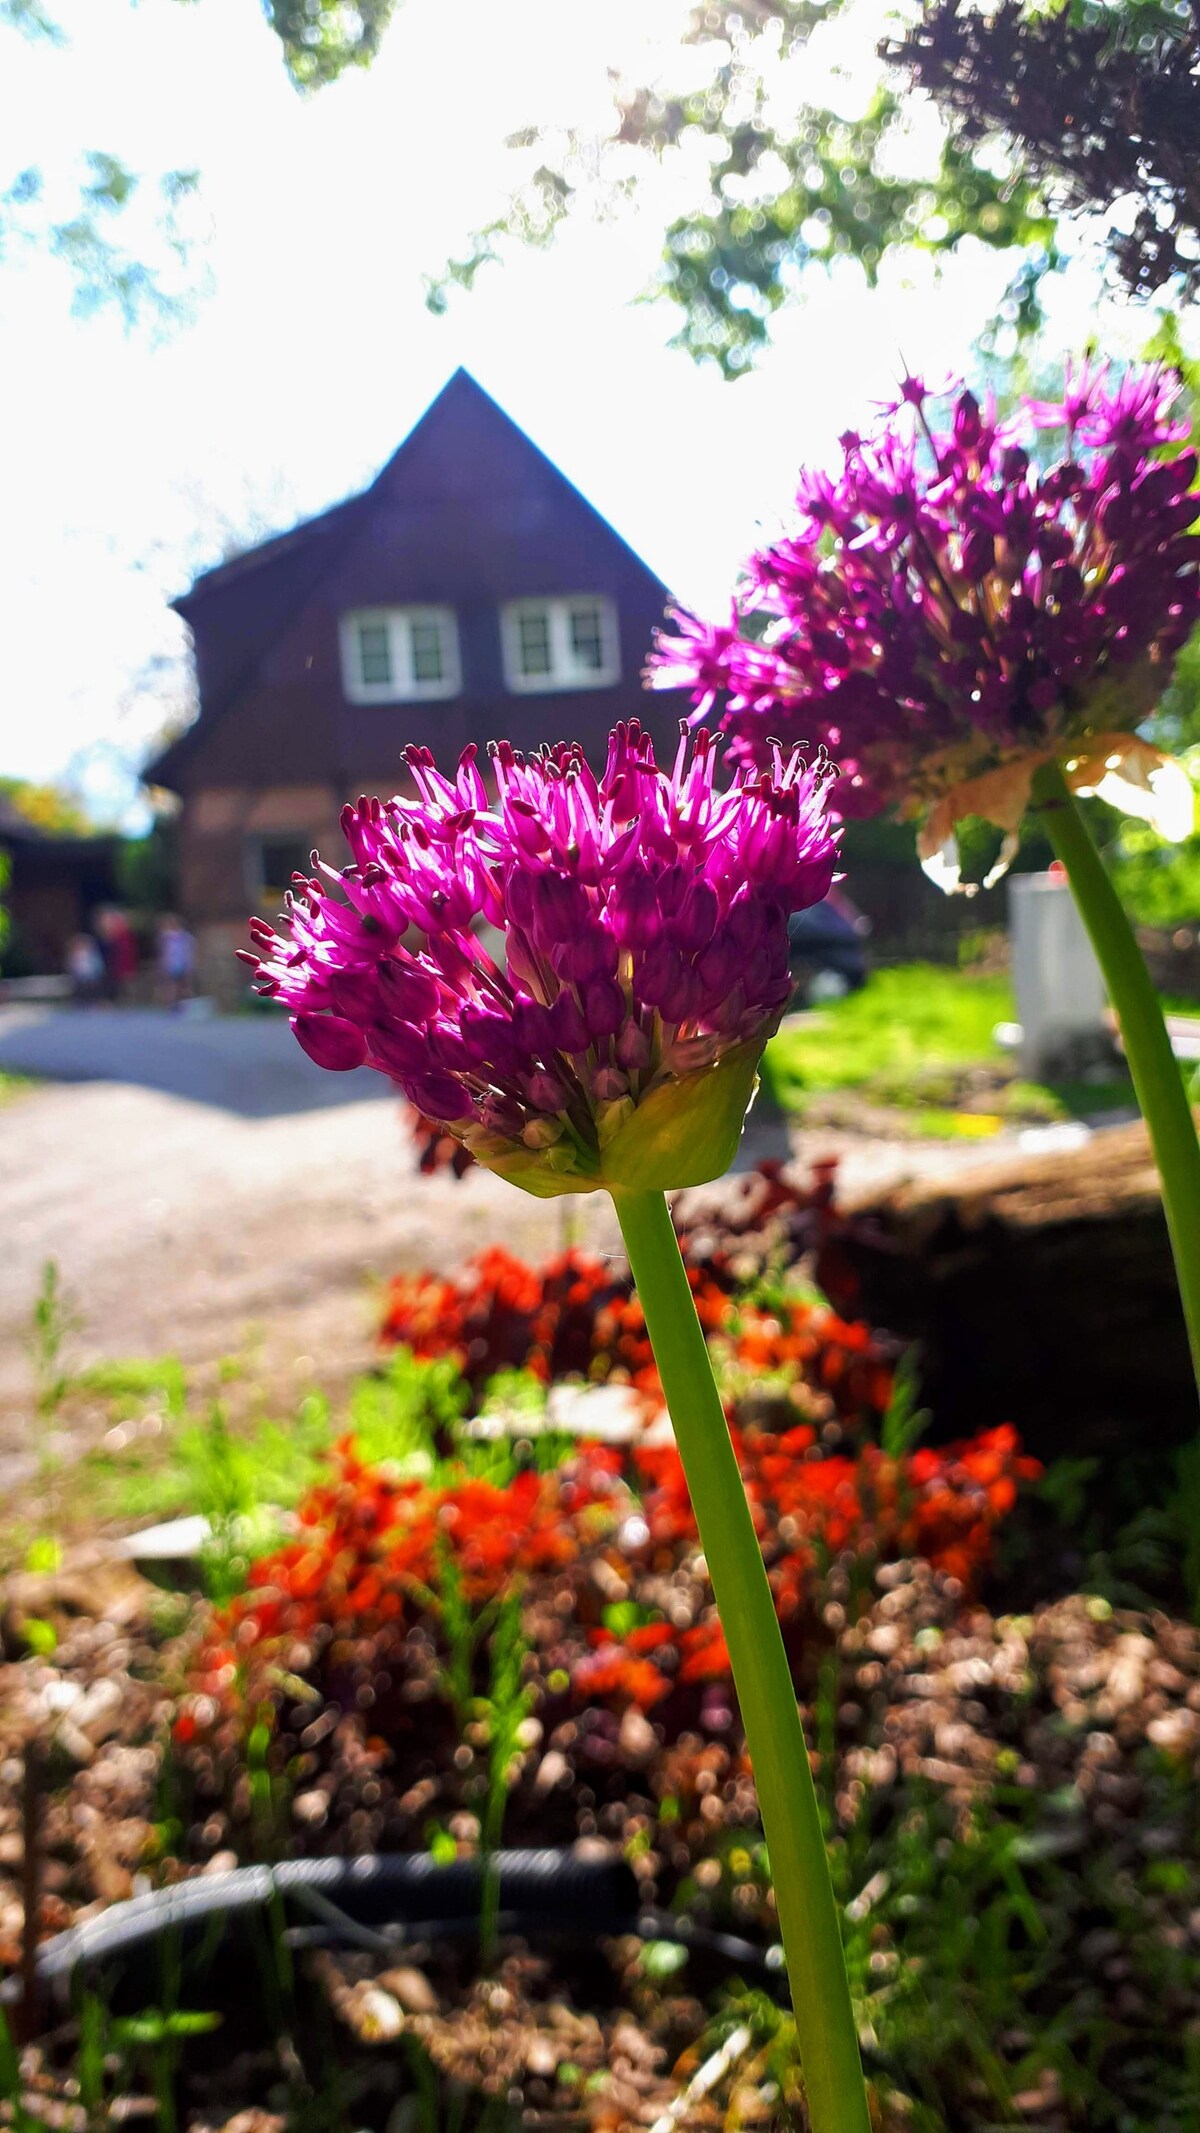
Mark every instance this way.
x=1061 y=1001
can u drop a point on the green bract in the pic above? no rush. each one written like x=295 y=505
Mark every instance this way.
x=684 y=1132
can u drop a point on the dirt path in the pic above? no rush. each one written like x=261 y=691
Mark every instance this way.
x=179 y=1228
x=217 y=1208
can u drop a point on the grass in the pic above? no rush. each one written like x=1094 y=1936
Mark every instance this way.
x=164 y=1450
x=920 y=1038
x=192 y=1459
x=906 y=1019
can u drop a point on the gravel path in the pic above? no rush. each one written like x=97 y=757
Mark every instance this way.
x=224 y=1194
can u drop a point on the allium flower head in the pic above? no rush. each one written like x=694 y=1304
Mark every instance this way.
x=970 y=597
x=645 y=960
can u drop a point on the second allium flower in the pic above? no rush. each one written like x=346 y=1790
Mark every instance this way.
x=614 y=1042
x=969 y=598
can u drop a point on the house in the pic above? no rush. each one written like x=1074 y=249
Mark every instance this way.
x=470 y=592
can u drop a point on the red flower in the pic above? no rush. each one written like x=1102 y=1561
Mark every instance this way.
x=614 y=1673
x=704 y=1654
x=369 y=1548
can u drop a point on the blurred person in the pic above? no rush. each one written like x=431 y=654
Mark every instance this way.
x=118 y=945
x=85 y=967
x=176 y=961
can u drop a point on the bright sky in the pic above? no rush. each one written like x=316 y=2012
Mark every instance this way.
x=125 y=463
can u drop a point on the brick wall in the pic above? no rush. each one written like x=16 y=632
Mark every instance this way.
x=221 y=848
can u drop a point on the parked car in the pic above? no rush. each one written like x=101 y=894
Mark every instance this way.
x=827 y=951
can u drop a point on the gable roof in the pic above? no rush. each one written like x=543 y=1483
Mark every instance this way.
x=310 y=549
x=459 y=392
x=336 y=519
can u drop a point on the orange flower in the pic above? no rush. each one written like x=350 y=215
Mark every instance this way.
x=612 y=1672
x=368 y=1547
x=704 y=1654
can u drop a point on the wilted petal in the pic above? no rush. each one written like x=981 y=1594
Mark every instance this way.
x=1139 y=780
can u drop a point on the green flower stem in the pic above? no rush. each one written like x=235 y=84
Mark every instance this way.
x=1156 y=1077
x=808 y=1916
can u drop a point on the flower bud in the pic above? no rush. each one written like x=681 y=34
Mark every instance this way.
x=331 y=1041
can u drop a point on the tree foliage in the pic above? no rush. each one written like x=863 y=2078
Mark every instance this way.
x=319 y=40
x=1045 y=108
x=104 y=270
x=32 y=18
x=45 y=807
x=1102 y=99
x=781 y=203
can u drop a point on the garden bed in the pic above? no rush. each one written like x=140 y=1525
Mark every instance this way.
x=1013 y=1801
x=450 y=1642
x=1073 y=1249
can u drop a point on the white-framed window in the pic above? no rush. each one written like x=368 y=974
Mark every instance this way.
x=570 y=643
x=393 y=655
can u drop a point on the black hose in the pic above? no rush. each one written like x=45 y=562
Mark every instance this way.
x=549 y=1891
x=376 y=1903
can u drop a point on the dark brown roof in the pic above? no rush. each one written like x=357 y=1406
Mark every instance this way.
x=338 y=518
x=341 y=518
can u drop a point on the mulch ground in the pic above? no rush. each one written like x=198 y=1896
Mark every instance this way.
x=1090 y=1718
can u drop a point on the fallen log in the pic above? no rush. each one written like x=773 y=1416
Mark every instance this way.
x=1041 y=1291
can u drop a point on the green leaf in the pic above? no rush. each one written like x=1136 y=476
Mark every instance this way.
x=442 y=1848
x=153 y=2027
x=662 y=1959
x=322 y=38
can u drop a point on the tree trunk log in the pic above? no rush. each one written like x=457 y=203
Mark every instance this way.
x=1041 y=1291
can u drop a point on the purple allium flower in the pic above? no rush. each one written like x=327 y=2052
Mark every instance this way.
x=960 y=600
x=644 y=917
